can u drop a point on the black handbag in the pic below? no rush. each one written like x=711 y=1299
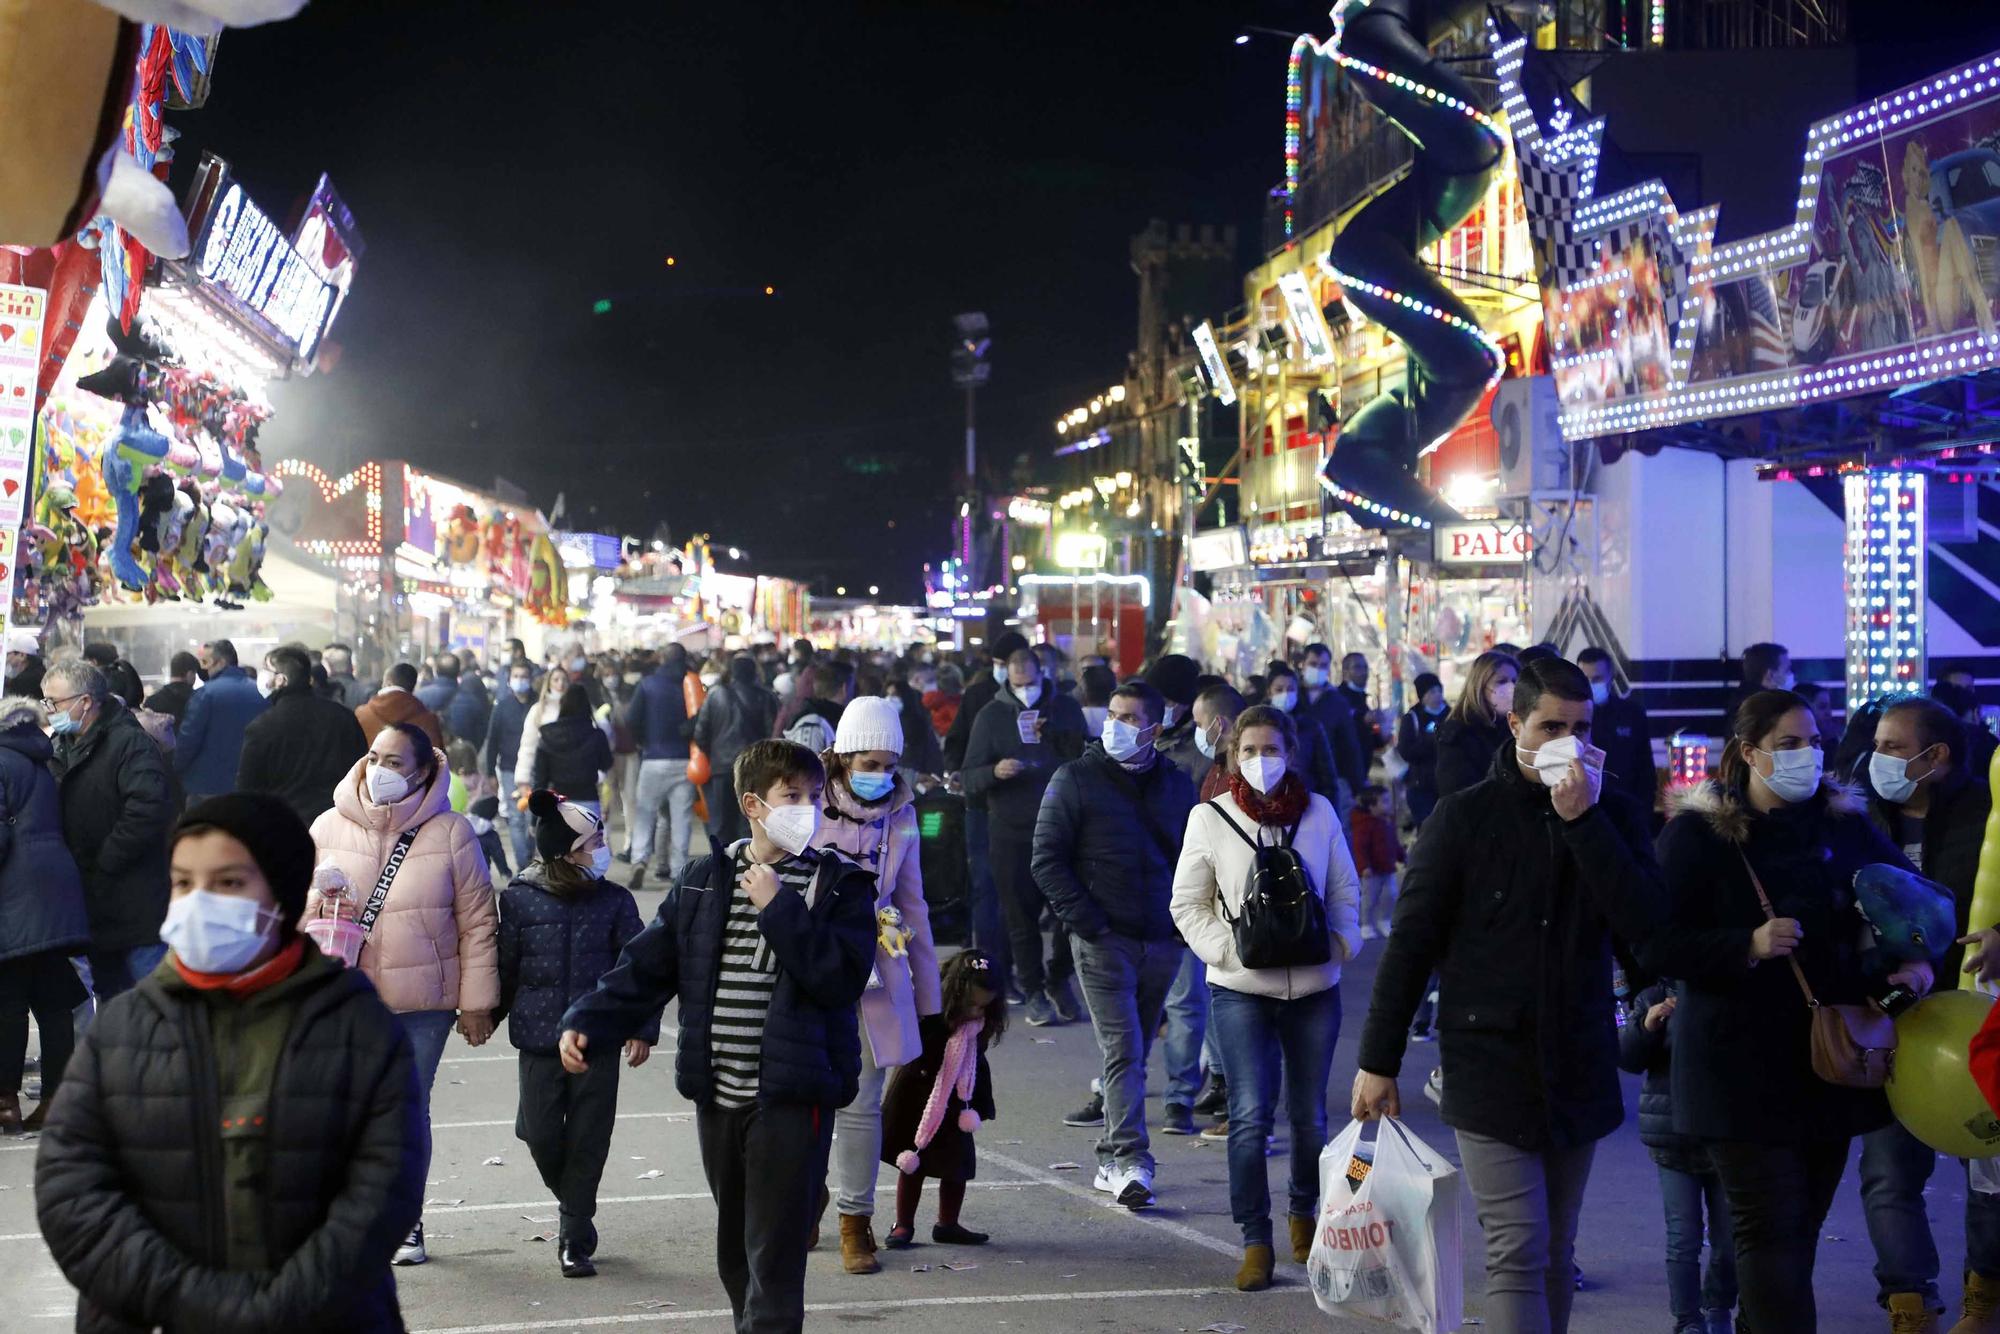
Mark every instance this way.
x=1282 y=922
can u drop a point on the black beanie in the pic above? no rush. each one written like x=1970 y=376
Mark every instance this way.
x=1174 y=677
x=275 y=837
x=559 y=825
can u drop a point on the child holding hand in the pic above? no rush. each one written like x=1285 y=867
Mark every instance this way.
x=936 y=1102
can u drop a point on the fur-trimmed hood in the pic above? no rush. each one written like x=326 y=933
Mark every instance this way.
x=1728 y=814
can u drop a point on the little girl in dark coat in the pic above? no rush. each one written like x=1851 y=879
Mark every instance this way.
x=936 y=1102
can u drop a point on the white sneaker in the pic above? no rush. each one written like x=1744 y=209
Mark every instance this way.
x=1137 y=1191
x=1367 y=932
x=1434 y=1086
x=1109 y=1179
x=412 y=1252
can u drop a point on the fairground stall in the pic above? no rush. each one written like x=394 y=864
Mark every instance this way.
x=425 y=562
x=862 y=623
x=150 y=517
x=685 y=595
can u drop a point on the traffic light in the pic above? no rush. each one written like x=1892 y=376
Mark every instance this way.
x=969 y=367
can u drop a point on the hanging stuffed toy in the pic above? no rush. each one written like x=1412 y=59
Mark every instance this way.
x=135 y=448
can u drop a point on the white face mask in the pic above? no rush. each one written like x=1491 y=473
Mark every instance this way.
x=1263 y=772
x=1030 y=693
x=217 y=933
x=267 y=683
x=1551 y=762
x=1203 y=744
x=1794 y=773
x=1000 y=673
x=1600 y=693
x=1314 y=676
x=1285 y=702
x=1891 y=777
x=386 y=787
x=791 y=827
x=1121 y=739
x=1170 y=715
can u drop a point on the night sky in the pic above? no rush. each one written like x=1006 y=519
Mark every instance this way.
x=882 y=166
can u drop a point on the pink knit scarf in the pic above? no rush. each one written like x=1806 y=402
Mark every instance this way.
x=957 y=1071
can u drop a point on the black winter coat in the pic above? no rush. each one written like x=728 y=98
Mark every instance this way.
x=732 y=717
x=1620 y=728
x=1465 y=752
x=1096 y=856
x=1347 y=748
x=1316 y=760
x=1651 y=1054
x=949 y=1156
x=503 y=738
x=553 y=948
x=980 y=690
x=1417 y=743
x=128 y=1183
x=1953 y=831
x=1014 y=803
x=299 y=750
x=172 y=700
x=1742 y=1035
x=117 y=810
x=1514 y=909
x=571 y=754
x=825 y=951
x=41 y=891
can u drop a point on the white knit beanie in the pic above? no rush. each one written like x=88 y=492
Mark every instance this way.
x=869 y=722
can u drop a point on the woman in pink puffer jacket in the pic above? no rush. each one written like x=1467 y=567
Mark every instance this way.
x=434 y=952
x=866 y=814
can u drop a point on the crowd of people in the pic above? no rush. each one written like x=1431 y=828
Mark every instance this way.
x=268 y=897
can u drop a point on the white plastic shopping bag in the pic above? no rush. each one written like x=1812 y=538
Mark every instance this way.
x=1387 y=1244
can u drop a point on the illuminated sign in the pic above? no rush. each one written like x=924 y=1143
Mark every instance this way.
x=1219 y=549
x=1271 y=542
x=1882 y=279
x=1307 y=322
x=1213 y=364
x=22 y=313
x=1080 y=551
x=1483 y=544
x=1029 y=512
x=245 y=260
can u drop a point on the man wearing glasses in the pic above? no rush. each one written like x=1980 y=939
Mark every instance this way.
x=117 y=806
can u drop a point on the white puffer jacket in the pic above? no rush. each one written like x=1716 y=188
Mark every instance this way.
x=1214 y=869
x=436 y=945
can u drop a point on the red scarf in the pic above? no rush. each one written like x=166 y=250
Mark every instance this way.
x=1286 y=806
x=268 y=973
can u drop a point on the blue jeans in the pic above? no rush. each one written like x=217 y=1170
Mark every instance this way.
x=429 y=1030
x=665 y=795
x=517 y=831
x=1190 y=1043
x=1125 y=984
x=1688 y=1296
x=1261 y=1037
x=989 y=928
x=1895 y=1166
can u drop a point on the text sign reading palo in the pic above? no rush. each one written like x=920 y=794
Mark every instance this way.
x=1483 y=544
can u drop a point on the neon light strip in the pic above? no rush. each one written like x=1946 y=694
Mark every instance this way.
x=1359 y=501
x=1464 y=326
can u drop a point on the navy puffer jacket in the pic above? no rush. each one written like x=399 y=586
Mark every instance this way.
x=1097 y=857
x=553 y=948
x=825 y=946
x=1651 y=1054
x=41 y=891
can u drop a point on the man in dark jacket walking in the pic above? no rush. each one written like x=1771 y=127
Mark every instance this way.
x=1332 y=707
x=658 y=720
x=737 y=714
x=1512 y=897
x=117 y=807
x=209 y=745
x=24 y=662
x=1107 y=841
x=1174 y=677
x=339 y=660
x=1619 y=727
x=466 y=715
x=1018 y=742
x=173 y=698
x=438 y=693
x=503 y=747
x=300 y=748
x=989 y=921
x=1923 y=799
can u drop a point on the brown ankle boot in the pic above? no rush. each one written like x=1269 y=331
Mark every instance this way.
x=1255 y=1273
x=1302 y=1237
x=1981 y=1313
x=1909 y=1315
x=857 y=1245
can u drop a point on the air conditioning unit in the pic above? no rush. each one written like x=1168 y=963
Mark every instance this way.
x=1533 y=458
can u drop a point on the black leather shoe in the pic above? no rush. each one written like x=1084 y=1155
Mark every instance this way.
x=576 y=1264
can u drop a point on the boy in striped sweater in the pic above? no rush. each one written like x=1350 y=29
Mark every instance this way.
x=769 y=944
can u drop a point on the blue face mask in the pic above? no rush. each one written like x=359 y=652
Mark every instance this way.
x=1203 y=744
x=1000 y=673
x=62 y=724
x=871 y=787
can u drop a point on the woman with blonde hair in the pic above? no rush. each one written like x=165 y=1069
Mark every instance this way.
x=1477 y=727
x=547 y=705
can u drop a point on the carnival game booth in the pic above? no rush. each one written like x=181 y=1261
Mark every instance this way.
x=678 y=595
x=424 y=562
x=862 y=623
x=1089 y=614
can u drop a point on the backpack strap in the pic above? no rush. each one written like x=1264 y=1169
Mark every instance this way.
x=1238 y=829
